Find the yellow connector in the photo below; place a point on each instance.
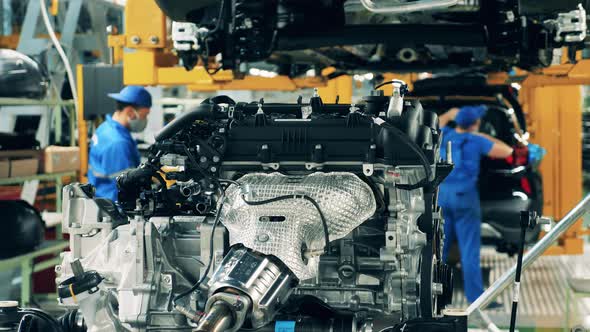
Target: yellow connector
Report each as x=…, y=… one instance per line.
x=54, y=9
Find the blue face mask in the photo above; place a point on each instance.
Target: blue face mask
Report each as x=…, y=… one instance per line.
x=138, y=124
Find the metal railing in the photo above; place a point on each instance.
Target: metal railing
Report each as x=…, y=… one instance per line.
x=533, y=254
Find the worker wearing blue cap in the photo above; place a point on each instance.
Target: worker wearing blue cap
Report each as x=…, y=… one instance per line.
x=113, y=150
x=458, y=195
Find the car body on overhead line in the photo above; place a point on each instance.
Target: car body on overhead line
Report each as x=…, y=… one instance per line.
x=364, y=35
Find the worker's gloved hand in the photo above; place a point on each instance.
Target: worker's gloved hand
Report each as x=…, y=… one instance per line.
x=536, y=154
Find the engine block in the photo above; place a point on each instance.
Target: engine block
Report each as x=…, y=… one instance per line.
x=320, y=215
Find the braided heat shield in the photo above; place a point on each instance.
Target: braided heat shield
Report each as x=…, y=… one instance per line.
x=288, y=228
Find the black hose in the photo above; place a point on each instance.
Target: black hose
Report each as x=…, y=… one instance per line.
x=220, y=99
x=404, y=86
x=69, y=322
x=219, y=19
x=305, y=197
x=415, y=148
x=51, y=321
x=24, y=325
x=200, y=112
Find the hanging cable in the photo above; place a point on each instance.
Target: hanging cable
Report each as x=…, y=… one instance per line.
x=219, y=19
x=414, y=147
x=61, y=52
x=209, y=263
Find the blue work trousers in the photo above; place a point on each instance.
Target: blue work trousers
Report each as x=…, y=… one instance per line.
x=464, y=226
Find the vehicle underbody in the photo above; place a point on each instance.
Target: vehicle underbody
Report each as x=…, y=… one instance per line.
x=293, y=36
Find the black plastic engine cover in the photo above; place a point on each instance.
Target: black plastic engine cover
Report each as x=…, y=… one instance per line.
x=322, y=141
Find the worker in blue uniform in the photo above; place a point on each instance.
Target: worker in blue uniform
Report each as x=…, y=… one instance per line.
x=459, y=196
x=113, y=150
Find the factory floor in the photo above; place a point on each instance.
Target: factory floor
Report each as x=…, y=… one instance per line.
x=548, y=299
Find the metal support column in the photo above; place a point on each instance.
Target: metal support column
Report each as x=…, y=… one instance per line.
x=26, y=272
x=82, y=127
x=57, y=122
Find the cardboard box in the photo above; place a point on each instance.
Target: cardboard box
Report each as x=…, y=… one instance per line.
x=60, y=159
x=23, y=167
x=21, y=162
x=20, y=154
x=4, y=168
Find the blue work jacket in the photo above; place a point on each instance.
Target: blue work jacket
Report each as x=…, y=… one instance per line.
x=459, y=189
x=112, y=152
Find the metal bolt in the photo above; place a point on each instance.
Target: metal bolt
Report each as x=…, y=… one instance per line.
x=213, y=169
x=216, y=159
x=167, y=279
x=154, y=40
x=58, y=268
x=203, y=159
x=262, y=237
x=510, y=16
x=135, y=40
x=437, y=288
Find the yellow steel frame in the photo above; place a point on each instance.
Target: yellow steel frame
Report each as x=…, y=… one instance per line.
x=82, y=127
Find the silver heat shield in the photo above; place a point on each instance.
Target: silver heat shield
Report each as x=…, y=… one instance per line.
x=291, y=229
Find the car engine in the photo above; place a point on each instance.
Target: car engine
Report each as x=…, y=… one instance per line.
x=269, y=217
